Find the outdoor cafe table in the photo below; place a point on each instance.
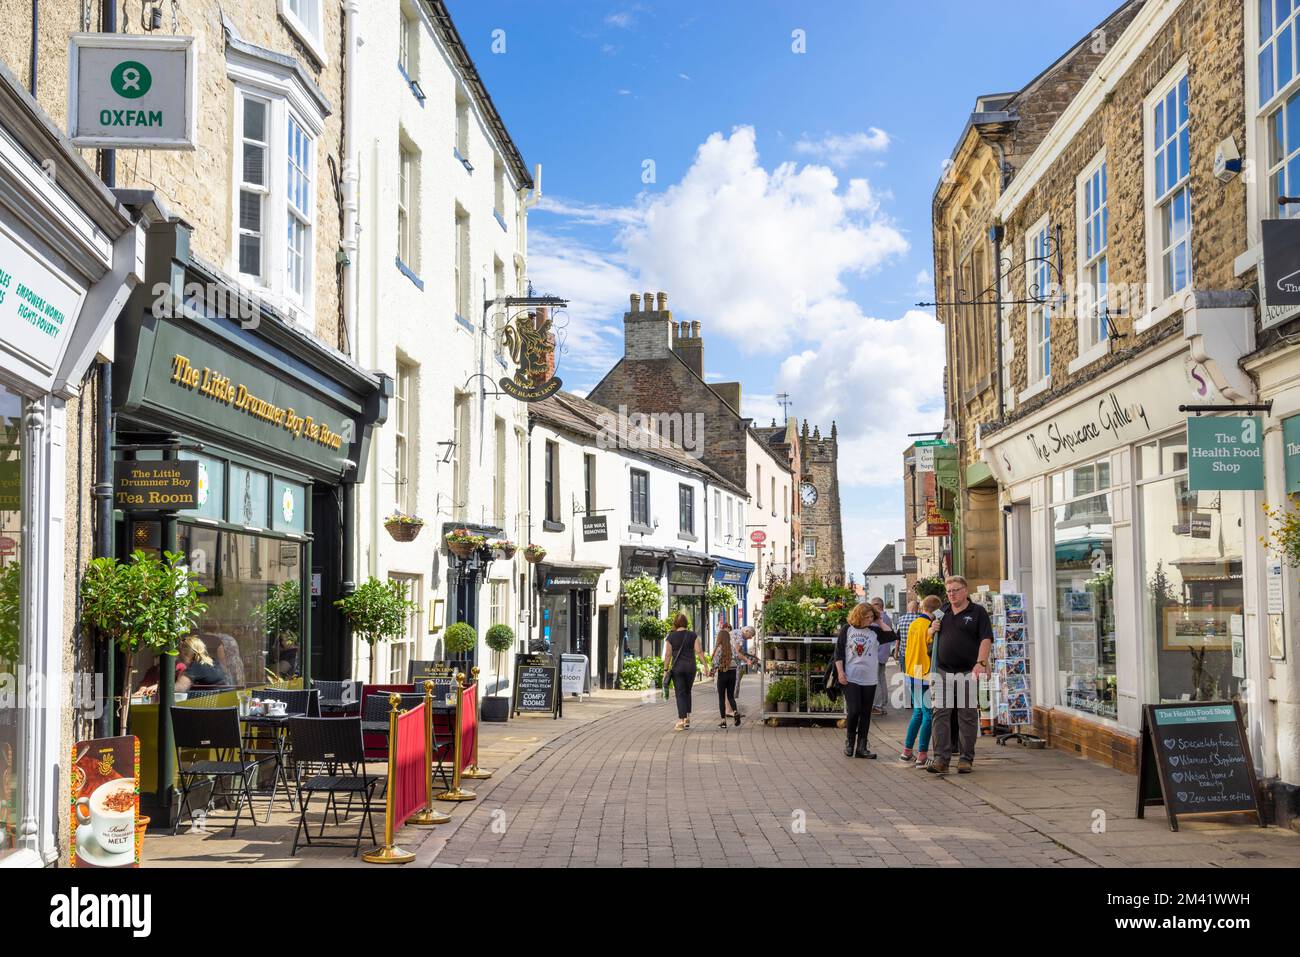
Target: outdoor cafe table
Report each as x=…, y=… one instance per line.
x=278, y=724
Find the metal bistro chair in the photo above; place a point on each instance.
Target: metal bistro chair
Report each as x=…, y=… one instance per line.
x=297, y=704
x=196, y=731
x=338, y=696
x=332, y=744
x=304, y=703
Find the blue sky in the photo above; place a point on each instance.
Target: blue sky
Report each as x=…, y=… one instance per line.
x=789, y=207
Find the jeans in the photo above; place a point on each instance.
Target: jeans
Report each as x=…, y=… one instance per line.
x=683, y=680
x=727, y=681
x=955, y=690
x=922, y=716
x=857, y=706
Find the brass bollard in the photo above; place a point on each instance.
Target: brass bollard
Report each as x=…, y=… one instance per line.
x=474, y=772
x=428, y=817
x=457, y=793
x=389, y=852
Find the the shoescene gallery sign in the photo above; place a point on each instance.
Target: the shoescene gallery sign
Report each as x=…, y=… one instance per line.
x=1123, y=413
x=136, y=92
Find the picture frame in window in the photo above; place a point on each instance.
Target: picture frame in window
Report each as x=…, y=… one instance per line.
x=1198, y=629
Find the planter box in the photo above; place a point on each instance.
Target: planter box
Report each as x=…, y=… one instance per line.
x=495, y=709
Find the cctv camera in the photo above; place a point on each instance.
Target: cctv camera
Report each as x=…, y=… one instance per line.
x=1006, y=509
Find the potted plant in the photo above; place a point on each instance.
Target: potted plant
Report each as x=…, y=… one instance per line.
x=460, y=639
x=377, y=611
x=534, y=553
x=463, y=542
x=403, y=528
x=500, y=639
x=501, y=548
x=145, y=603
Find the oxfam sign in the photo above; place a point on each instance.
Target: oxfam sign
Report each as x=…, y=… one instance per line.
x=136, y=92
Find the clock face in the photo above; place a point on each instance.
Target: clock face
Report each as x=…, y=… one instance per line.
x=808, y=493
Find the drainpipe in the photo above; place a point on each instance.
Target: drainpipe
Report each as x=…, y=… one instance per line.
x=348, y=241
x=35, y=51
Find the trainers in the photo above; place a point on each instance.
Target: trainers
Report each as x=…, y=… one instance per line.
x=921, y=759
x=965, y=766
x=936, y=767
x=907, y=756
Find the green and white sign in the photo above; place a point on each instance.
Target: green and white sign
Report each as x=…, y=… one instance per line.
x=1291, y=452
x=135, y=92
x=1225, y=454
x=39, y=304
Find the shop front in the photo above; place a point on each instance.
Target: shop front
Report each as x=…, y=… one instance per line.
x=567, y=609
x=1137, y=582
x=633, y=562
x=689, y=574
x=275, y=423
x=734, y=575
x=69, y=255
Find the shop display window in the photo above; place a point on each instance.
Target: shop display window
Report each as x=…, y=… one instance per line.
x=1191, y=587
x=1083, y=545
x=11, y=523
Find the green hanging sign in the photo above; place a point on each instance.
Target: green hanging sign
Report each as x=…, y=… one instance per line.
x=1225, y=454
x=1291, y=452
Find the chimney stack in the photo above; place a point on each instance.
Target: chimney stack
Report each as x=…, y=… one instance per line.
x=690, y=347
x=648, y=333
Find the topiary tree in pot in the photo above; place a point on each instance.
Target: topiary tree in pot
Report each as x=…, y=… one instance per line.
x=460, y=639
x=500, y=639
x=376, y=612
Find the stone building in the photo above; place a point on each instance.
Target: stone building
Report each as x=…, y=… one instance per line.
x=821, y=529
x=1131, y=290
x=1002, y=131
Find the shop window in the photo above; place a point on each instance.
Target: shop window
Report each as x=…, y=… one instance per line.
x=1084, y=549
x=249, y=491
x=212, y=486
x=11, y=656
x=1192, y=587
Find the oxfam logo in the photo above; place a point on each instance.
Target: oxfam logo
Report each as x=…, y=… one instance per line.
x=131, y=79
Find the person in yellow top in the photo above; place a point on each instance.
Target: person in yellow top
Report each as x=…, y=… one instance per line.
x=916, y=667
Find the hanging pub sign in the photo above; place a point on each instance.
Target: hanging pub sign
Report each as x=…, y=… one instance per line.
x=530, y=340
x=1225, y=454
x=936, y=526
x=131, y=91
x=155, y=486
x=1279, y=272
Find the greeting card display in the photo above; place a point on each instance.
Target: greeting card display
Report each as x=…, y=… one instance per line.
x=1011, y=701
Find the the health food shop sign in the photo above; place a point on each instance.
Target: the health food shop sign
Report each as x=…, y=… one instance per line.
x=135, y=92
x=1225, y=454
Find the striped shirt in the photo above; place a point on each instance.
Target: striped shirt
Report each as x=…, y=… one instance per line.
x=901, y=624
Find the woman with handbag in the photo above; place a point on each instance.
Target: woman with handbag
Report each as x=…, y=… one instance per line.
x=727, y=656
x=680, y=650
x=857, y=666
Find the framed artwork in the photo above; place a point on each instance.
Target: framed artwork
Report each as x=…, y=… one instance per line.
x=1198, y=629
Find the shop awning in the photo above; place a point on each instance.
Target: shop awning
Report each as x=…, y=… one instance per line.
x=732, y=572
x=562, y=576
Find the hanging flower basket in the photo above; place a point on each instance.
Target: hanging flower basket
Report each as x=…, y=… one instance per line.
x=501, y=548
x=403, y=528
x=463, y=542
x=534, y=553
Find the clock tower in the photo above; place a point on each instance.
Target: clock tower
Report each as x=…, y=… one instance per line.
x=822, y=547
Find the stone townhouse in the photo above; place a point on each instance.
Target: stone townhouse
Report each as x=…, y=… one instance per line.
x=444, y=196
x=1131, y=293
x=232, y=353
x=1002, y=131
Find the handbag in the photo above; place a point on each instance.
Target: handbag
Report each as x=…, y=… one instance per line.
x=831, y=681
x=668, y=674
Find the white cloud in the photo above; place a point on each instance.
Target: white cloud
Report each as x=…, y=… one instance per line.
x=763, y=408
x=878, y=380
x=840, y=149
x=743, y=248
x=589, y=214
x=623, y=19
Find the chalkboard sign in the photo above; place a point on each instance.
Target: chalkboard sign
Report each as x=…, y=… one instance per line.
x=536, y=686
x=1193, y=759
x=444, y=683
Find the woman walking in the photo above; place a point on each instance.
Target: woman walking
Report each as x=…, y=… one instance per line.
x=857, y=664
x=727, y=656
x=917, y=669
x=680, y=650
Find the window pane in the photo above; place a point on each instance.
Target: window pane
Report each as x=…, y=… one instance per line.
x=254, y=164
x=1284, y=57
x=1159, y=124
x=250, y=211
x=212, y=485
x=255, y=120
x=1182, y=101
x=250, y=255
x=248, y=496
x=1266, y=88
x=1265, y=19
x=288, y=507
x=1083, y=544
x=12, y=752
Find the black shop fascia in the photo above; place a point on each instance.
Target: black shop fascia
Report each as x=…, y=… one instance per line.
x=279, y=424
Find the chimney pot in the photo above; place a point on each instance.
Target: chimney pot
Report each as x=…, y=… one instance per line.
x=649, y=302
x=636, y=303
x=695, y=329
x=662, y=299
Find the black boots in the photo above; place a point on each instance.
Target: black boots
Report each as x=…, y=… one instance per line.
x=848, y=748
x=862, y=751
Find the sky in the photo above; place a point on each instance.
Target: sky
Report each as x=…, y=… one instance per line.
x=770, y=166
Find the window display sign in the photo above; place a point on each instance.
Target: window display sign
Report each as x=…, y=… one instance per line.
x=105, y=803
x=136, y=92
x=1225, y=454
x=1291, y=452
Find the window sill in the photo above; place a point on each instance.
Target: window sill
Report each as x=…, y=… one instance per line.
x=464, y=322
x=1248, y=260
x=549, y=526
x=469, y=168
x=1172, y=305
x=687, y=537
x=1085, y=359
x=415, y=88
x=636, y=529
x=406, y=271
x=1042, y=385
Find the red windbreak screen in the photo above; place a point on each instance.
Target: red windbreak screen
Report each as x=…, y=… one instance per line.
x=410, y=786
x=468, y=725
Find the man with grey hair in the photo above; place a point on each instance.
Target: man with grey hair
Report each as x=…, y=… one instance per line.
x=965, y=638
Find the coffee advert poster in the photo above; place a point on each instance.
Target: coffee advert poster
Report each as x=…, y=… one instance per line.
x=105, y=781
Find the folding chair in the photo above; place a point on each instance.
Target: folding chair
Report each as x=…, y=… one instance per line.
x=197, y=731
x=332, y=744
